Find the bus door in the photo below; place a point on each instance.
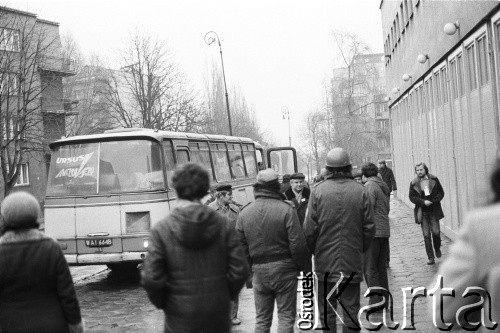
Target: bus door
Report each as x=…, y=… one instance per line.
x=283, y=160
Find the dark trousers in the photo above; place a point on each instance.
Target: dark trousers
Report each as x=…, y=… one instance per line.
x=375, y=270
x=285, y=295
x=431, y=232
x=349, y=298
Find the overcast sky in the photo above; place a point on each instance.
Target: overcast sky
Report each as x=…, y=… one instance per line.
x=280, y=53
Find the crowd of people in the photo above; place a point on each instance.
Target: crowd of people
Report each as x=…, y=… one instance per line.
x=201, y=255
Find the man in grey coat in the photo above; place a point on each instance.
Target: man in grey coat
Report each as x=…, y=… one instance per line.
x=376, y=256
x=276, y=249
x=339, y=228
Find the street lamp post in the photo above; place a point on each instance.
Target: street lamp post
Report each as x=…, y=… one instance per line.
x=211, y=37
x=286, y=115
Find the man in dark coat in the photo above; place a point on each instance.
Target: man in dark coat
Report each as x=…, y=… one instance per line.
x=339, y=229
x=426, y=193
x=224, y=205
x=275, y=247
x=36, y=288
x=298, y=194
x=195, y=264
x=387, y=176
x=376, y=256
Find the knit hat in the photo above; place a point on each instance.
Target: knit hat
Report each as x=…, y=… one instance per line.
x=20, y=210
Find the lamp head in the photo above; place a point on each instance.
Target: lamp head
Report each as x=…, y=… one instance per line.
x=387, y=99
x=451, y=28
x=422, y=58
x=395, y=90
x=406, y=77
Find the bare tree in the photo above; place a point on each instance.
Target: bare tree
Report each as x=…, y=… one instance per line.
x=26, y=49
x=150, y=91
x=243, y=118
x=354, y=88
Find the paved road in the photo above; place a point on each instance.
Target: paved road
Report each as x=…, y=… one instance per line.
x=112, y=303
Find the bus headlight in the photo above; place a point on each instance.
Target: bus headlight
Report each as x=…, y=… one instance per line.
x=146, y=243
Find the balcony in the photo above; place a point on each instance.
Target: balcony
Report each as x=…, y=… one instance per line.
x=57, y=66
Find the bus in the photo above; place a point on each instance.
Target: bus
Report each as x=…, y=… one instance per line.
x=105, y=191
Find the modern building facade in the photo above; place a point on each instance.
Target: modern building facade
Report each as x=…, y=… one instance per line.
x=358, y=93
x=442, y=63
x=32, y=106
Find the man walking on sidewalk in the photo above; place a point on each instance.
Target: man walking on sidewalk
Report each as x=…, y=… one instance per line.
x=388, y=177
x=426, y=193
x=339, y=229
x=275, y=246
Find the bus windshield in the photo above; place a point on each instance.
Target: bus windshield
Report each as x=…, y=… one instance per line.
x=105, y=167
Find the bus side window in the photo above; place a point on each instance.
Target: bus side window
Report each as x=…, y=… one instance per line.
x=168, y=151
x=237, y=164
x=182, y=157
x=221, y=164
x=201, y=155
x=251, y=164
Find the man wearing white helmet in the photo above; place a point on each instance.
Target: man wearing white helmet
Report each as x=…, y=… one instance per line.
x=339, y=228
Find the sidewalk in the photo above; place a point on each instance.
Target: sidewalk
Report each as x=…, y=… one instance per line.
x=408, y=269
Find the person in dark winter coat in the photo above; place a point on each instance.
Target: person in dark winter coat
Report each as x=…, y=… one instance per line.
x=298, y=194
x=275, y=246
x=387, y=176
x=195, y=264
x=376, y=256
x=223, y=204
x=339, y=228
x=426, y=193
x=285, y=185
x=36, y=288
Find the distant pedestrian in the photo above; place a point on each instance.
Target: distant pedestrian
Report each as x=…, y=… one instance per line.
x=36, y=288
x=195, y=264
x=224, y=205
x=298, y=194
x=275, y=246
x=339, y=228
x=285, y=184
x=387, y=176
x=474, y=261
x=426, y=193
x=376, y=256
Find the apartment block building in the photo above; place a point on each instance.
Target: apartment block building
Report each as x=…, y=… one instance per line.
x=442, y=63
x=358, y=93
x=32, y=107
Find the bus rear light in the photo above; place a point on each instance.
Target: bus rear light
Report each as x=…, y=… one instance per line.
x=137, y=222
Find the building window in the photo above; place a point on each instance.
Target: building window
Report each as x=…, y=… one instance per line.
x=23, y=177
x=444, y=81
x=382, y=124
x=471, y=65
x=453, y=78
x=482, y=57
x=460, y=72
x=437, y=87
x=9, y=39
x=8, y=83
x=382, y=143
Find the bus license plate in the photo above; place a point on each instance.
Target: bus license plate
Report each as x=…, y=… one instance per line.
x=99, y=242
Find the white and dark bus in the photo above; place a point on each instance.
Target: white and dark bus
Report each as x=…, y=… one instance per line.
x=105, y=191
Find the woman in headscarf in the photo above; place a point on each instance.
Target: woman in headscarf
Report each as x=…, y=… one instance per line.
x=36, y=288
